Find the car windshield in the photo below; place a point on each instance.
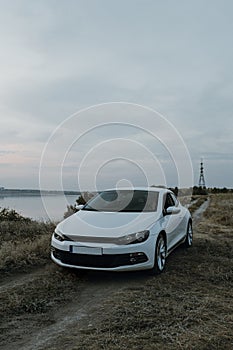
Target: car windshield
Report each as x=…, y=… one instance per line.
x=124, y=201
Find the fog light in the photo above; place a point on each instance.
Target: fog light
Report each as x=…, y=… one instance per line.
x=135, y=254
x=134, y=257
x=137, y=258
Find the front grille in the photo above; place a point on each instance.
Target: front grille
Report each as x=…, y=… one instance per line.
x=99, y=261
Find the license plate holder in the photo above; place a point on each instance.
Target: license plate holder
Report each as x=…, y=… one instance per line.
x=86, y=250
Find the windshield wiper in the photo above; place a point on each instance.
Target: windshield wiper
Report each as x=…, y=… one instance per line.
x=89, y=209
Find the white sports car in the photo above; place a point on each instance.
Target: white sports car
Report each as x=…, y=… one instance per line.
x=123, y=229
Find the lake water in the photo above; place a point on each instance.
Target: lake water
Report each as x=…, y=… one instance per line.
x=39, y=208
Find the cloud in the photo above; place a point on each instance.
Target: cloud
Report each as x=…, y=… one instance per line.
x=59, y=57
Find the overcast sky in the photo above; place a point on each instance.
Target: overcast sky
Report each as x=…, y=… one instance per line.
x=57, y=57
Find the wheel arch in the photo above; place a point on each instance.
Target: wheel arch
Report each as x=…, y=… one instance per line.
x=163, y=233
x=155, y=270
x=190, y=221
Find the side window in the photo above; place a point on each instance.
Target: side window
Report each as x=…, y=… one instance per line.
x=169, y=202
x=174, y=199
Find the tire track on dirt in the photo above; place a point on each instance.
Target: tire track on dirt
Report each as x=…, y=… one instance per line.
x=16, y=280
x=83, y=311
x=83, y=308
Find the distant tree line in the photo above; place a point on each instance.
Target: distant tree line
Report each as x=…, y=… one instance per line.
x=220, y=190
x=198, y=190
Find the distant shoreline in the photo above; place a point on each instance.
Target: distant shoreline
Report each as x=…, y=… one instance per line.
x=34, y=193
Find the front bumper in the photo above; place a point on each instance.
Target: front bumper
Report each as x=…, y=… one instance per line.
x=107, y=261
x=113, y=258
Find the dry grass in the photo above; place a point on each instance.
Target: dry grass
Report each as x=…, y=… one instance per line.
x=221, y=209
x=218, y=223
x=189, y=306
x=37, y=293
x=24, y=243
x=193, y=202
x=197, y=202
x=18, y=254
x=20, y=230
x=28, y=302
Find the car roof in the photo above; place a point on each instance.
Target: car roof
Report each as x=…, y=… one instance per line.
x=152, y=189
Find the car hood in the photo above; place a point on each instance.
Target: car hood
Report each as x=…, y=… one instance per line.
x=106, y=224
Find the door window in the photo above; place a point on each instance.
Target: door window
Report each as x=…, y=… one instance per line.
x=169, y=202
x=174, y=199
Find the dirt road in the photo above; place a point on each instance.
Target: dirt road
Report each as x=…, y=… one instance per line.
x=36, y=328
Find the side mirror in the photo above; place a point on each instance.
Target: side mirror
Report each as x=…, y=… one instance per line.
x=172, y=211
x=79, y=206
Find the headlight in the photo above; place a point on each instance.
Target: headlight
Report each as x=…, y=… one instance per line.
x=60, y=237
x=133, y=238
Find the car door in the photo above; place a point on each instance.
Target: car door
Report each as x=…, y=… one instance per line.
x=182, y=223
x=171, y=223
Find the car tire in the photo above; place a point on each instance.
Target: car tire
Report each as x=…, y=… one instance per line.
x=160, y=255
x=189, y=236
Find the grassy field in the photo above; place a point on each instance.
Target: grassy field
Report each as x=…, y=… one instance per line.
x=189, y=306
x=23, y=242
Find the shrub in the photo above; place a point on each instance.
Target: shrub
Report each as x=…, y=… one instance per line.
x=7, y=214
